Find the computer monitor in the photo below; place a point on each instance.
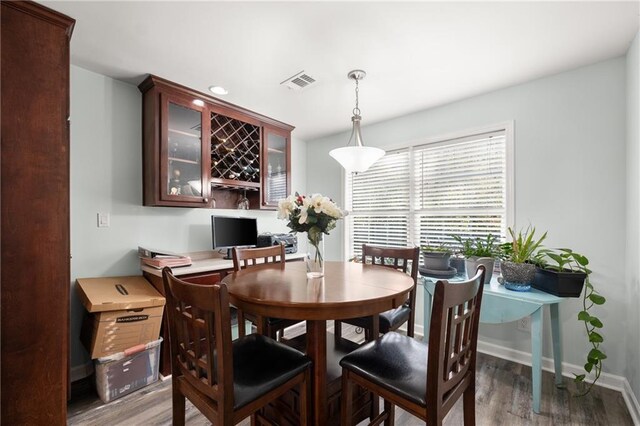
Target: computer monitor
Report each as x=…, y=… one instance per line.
x=229, y=232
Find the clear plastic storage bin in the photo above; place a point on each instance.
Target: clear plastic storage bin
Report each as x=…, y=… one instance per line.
x=120, y=374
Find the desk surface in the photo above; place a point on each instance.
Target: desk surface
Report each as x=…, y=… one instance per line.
x=207, y=261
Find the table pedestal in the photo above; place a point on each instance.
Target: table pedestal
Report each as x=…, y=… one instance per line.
x=285, y=410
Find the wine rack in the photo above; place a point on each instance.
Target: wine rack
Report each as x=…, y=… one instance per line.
x=235, y=153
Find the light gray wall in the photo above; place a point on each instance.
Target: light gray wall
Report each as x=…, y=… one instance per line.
x=632, y=372
x=106, y=176
x=569, y=180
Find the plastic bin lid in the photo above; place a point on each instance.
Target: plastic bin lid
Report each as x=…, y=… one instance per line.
x=118, y=293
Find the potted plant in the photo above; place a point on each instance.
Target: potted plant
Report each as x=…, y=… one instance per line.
x=518, y=267
x=436, y=257
x=564, y=272
x=558, y=273
x=479, y=251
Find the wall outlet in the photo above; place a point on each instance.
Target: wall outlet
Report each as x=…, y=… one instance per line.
x=524, y=324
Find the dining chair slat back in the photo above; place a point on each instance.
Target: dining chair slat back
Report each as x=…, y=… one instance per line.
x=226, y=380
x=405, y=259
x=450, y=359
x=244, y=258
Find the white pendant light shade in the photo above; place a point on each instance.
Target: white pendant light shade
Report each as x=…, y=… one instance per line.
x=356, y=159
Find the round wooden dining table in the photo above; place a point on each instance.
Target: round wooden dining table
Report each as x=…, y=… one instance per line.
x=347, y=290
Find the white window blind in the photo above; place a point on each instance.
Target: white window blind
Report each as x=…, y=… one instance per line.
x=460, y=188
x=423, y=194
x=378, y=203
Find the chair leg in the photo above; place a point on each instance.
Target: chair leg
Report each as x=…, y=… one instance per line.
x=375, y=406
x=178, y=401
x=346, y=399
x=241, y=324
x=337, y=330
x=411, y=325
x=391, y=411
x=469, y=404
x=272, y=332
x=304, y=398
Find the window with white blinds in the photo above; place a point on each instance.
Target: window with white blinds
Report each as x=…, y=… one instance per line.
x=378, y=202
x=425, y=193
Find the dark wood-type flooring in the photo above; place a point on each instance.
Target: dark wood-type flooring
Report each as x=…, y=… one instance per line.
x=503, y=397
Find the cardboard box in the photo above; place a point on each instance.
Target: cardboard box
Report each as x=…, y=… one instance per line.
x=122, y=373
x=126, y=311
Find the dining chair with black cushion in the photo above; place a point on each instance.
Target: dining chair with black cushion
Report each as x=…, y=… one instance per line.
x=226, y=380
x=425, y=380
x=248, y=258
x=405, y=259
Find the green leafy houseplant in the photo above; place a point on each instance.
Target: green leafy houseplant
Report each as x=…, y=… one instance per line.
x=478, y=251
x=478, y=247
x=517, y=267
x=568, y=261
x=440, y=248
x=523, y=246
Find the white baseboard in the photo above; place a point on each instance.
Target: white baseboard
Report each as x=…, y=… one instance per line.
x=632, y=402
x=606, y=380
x=79, y=372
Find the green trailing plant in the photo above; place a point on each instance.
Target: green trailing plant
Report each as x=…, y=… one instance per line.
x=566, y=260
x=522, y=247
x=479, y=247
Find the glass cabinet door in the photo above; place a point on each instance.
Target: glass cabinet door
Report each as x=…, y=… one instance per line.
x=184, y=175
x=276, y=163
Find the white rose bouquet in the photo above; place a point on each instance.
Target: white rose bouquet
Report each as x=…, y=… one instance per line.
x=316, y=215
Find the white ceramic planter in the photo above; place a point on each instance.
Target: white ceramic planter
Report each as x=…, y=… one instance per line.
x=471, y=265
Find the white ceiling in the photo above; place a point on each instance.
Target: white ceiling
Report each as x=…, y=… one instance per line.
x=417, y=54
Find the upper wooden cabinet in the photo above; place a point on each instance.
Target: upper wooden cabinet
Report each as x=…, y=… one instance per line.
x=199, y=151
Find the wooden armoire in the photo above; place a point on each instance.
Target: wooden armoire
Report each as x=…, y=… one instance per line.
x=34, y=209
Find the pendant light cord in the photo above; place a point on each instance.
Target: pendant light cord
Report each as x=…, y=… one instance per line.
x=356, y=110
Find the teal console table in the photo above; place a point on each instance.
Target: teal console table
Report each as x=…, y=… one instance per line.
x=500, y=305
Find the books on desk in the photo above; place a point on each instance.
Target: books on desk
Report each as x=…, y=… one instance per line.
x=159, y=258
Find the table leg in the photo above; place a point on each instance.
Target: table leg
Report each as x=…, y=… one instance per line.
x=317, y=351
x=557, y=345
x=536, y=357
x=426, y=321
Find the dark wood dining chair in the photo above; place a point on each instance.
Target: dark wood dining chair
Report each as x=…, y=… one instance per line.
x=248, y=258
x=226, y=380
x=424, y=380
x=405, y=259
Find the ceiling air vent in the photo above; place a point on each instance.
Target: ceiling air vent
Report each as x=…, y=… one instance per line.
x=299, y=81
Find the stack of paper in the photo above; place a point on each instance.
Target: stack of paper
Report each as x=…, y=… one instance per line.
x=160, y=258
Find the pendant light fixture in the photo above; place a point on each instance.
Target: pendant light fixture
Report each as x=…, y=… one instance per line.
x=356, y=158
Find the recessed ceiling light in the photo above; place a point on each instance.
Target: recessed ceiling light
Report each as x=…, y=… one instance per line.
x=218, y=90
x=198, y=102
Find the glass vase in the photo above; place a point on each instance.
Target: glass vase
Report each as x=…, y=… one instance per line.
x=315, y=258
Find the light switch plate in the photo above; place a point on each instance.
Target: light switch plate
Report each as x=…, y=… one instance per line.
x=103, y=220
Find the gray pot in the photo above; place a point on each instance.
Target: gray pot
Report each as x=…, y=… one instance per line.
x=458, y=263
x=471, y=265
x=436, y=260
x=520, y=273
